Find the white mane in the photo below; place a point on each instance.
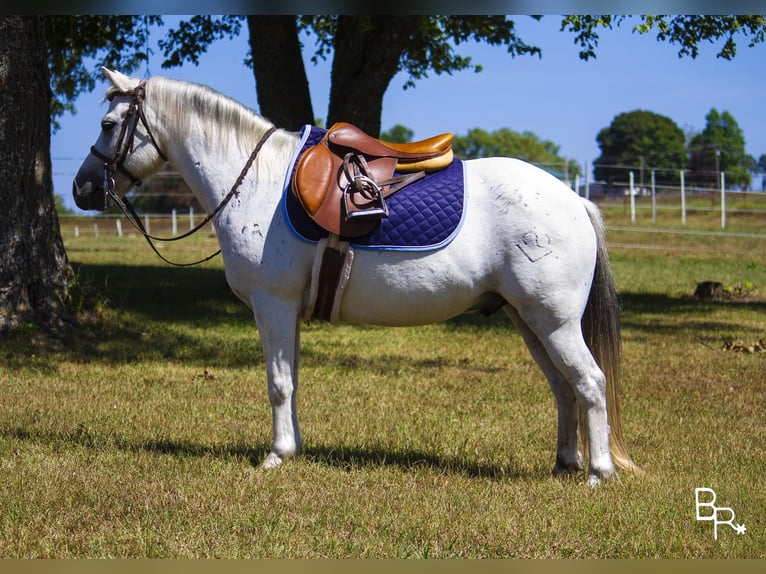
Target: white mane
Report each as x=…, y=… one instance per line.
x=181, y=102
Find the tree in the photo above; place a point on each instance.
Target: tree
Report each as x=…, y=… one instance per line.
x=637, y=139
x=367, y=52
x=43, y=56
x=506, y=142
x=719, y=147
x=281, y=84
x=398, y=134
x=685, y=30
x=34, y=270
x=119, y=42
x=363, y=65
x=761, y=167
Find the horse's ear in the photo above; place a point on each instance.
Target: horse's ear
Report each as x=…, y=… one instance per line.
x=120, y=81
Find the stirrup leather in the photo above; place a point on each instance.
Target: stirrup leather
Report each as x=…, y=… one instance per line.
x=363, y=197
x=362, y=188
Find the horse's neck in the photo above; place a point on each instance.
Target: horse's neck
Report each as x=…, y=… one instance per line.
x=211, y=166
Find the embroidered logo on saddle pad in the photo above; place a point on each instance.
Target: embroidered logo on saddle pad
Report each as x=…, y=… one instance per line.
x=424, y=215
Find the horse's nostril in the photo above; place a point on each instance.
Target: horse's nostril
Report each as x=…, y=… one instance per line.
x=83, y=196
x=83, y=191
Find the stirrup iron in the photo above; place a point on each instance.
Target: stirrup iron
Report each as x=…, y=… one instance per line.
x=356, y=171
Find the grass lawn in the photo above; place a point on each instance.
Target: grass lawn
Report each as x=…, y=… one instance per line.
x=140, y=434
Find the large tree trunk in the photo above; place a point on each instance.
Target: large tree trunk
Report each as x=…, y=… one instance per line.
x=280, y=76
x=34, y=270
x=367, y=54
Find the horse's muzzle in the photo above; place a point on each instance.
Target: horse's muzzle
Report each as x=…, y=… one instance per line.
x=88, y=196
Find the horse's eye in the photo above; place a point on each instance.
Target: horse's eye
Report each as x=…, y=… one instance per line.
x=108, y=125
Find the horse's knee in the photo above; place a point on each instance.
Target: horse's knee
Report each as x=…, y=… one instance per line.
x=280, y=392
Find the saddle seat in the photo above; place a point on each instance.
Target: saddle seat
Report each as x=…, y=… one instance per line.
x=431, y=154
x=342, y=181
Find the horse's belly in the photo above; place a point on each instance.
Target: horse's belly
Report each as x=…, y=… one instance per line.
x=393, y=288
x=401, y=306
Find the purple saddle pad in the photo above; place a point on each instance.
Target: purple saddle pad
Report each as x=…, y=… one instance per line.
x=423, y=215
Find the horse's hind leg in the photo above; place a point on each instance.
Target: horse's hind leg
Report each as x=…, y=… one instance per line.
x=568, y=456
x=563, y=341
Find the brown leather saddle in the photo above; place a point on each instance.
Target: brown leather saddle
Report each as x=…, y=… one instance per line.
x=342, y=181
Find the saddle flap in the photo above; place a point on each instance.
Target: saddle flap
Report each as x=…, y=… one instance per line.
x=319, y=183
x=314, y=175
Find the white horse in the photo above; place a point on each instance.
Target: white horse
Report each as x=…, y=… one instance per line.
x=527, y=242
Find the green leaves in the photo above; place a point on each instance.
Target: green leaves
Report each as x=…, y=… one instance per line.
x=639, y=137
x=508, y=143
x=192, y=37
x=79, y=45
x=686, y=31
x=720, y=147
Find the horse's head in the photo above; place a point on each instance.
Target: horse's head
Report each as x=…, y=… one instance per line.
x=125, y=151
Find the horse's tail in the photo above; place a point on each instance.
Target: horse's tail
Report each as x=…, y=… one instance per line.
x=601, y=328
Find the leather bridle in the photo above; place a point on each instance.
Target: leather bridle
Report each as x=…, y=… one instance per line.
x=134, y=115
x=112, y=165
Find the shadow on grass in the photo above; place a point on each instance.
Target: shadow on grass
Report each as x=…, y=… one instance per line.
x=681, y=314
x=145, y=303
x=350, y=458
x=336, y=456
x=201, y=294
x=194, y=295
x=89, y=438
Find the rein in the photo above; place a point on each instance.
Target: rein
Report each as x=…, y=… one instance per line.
x=124, y=147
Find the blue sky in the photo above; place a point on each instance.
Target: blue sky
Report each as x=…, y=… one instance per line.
x=558, y=96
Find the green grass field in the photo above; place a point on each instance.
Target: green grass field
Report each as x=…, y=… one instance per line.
x=140, y=434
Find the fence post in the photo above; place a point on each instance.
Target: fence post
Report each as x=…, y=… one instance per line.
x=683, y=198
x=174, y=221
x=95, y=229
x=118, y=223
x=654, y=200
x=632, y=199
x=191, y=217
x=146, y=223
x=77, y=231
x=723, y=200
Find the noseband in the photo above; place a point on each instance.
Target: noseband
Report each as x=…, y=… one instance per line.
x=114, y=164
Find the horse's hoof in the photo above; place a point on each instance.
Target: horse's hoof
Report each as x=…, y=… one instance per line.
x=561, y=470
x=595, y=480
x=272, y=461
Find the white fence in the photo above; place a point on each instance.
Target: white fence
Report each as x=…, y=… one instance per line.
x=719, y=195
x=173, y=224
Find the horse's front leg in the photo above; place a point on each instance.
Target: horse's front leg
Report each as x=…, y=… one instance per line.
x=279, y=329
